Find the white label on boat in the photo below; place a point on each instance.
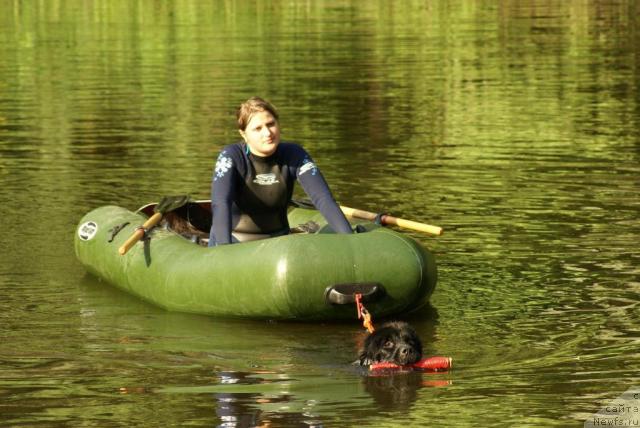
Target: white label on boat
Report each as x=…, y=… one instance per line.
x=87, y=230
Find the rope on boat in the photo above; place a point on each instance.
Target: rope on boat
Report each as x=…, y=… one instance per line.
x=364, y=314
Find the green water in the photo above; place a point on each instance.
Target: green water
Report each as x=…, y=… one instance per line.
x=514, y=125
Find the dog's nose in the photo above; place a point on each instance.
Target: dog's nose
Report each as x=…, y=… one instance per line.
x=404, y=350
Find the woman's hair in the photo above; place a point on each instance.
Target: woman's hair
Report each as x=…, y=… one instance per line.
x=252, y=106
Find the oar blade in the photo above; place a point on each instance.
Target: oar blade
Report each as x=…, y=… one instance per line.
x=170, y=203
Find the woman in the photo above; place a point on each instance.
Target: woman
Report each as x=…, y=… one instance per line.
x=253, y=181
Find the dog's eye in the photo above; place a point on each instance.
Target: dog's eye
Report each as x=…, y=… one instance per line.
x=388, y=344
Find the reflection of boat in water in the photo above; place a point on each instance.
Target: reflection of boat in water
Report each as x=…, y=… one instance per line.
x=297, y=276
x=242, y=371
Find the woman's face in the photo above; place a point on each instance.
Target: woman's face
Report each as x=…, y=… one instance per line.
x=262, y=134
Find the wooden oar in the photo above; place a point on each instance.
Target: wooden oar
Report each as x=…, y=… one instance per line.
x=168, y=203
x=390, y=220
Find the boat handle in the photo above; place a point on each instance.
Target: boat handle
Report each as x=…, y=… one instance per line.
x=343, y=294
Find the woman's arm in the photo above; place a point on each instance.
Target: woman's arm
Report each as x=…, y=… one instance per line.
x=222, y=191
x=317, y=189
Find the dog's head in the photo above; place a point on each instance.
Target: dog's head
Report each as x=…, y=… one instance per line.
x=394, y=342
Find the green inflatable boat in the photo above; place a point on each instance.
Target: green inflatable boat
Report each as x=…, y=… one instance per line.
x=310, y=274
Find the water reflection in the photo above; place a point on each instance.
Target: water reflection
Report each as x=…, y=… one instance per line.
x=395, y=392
x=515, y=126
x=250, y=410
x=263, y=373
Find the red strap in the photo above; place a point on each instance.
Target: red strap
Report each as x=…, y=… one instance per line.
x=364, y=314
x=358, y=297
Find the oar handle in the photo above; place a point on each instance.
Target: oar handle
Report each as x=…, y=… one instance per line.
x=387, y=219
x=410, y=224
x=139, y=233
x=355, y=213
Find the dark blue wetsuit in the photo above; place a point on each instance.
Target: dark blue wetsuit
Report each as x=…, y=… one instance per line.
x=250, y=194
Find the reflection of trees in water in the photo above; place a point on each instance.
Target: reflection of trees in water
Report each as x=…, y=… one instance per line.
x=163, y=89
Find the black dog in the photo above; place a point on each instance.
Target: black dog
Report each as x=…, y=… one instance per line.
x=394, y=342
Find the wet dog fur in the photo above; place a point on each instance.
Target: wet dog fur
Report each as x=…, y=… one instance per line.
x=394, y=342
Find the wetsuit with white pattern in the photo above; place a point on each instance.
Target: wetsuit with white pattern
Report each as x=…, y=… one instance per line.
x=250, y=194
